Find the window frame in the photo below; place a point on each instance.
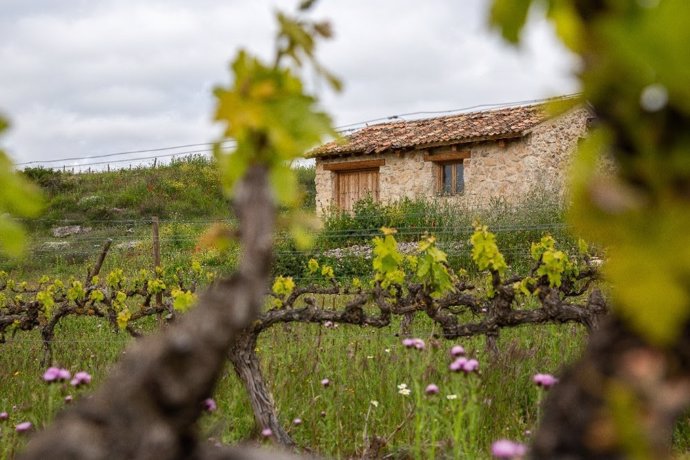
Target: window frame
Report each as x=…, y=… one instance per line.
x=440, y=176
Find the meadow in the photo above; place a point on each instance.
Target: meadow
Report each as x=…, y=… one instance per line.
x=377, y=392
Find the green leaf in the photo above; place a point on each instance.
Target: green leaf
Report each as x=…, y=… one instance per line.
x=509, y=16
x=12, y=238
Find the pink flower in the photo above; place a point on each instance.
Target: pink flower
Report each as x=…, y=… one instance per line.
x=81, y=378
x=4, y=416
x=465, y=365
x=56, y=374
x=209, y=405
x=431, y=389
x=325, y=382
x=414, y=343
x=51, y=374
x=297, y=421
x=545, y=380
x=23, y=427
x=68, y=399
x=471, y=365
x=64, y=374
x=457, y=351
x=266, y=433
x=457, y=365
x=503, y=448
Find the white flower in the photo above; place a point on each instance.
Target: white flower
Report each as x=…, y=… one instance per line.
x=370, y=357
x=387, y=350
x=402, y=386
x=374, y=403
x=403, y=390
x=451, y=396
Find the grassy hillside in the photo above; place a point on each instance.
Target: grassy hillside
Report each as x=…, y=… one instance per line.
x=187, y=188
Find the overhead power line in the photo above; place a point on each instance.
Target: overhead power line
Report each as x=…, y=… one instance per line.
x=131, y=152
x=340, y=129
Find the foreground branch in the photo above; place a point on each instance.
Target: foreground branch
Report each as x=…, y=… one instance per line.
x=149, y=405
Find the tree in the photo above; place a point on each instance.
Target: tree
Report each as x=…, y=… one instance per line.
x=623, y=397
x=149, y=405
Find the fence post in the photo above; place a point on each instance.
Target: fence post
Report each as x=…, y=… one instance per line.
x=156, y=257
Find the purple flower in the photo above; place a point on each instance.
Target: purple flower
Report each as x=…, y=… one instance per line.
x=23, y=427
x=545, y=380
x=431, y=389
x=209, y=405
x=470, y=366
x=457, y=365
x=503, y=448
x=51, y=374
x=68, y=399
x=63, y=374
x=81, y=378
x=297, y=421
x=4, y=416
x=457, y=351
x=266, y=433
x=325, y=382
x=414, y=343
x=465, y=365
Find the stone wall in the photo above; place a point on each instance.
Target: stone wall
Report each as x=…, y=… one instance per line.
x=507, y=169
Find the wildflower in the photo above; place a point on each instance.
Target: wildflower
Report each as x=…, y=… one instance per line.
x=297, y=421
x=456, y=351
x=4, y=416
x=431, y=389
x=451, y=397
x=503, y=448
x=374, y=403
x=457, y=365
x=63, y=375
x=470, y=366
x=266, y=433
x=414, y=343
x=545, y=380
x=323, y=413
x=68, y=399
x=325, y=383
x=328, y=324
x=209, y=405
x=81, y=378
x=51, y=374
x=387, y=350
x=23, y=427
x=403, y=390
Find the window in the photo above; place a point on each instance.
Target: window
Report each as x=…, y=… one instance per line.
x=451, y=178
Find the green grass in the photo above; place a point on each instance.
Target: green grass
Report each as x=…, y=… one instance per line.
x=363, y=365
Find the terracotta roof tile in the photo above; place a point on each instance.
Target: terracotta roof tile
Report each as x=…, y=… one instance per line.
x=452, y=129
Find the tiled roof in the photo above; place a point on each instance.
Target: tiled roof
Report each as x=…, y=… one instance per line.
x=462, y=128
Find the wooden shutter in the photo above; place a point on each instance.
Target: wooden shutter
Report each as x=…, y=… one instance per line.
x=352, y=186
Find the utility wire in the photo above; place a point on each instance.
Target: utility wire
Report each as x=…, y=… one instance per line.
x=340, y=129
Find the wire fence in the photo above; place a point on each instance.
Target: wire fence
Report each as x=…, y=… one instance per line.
x=348, y=250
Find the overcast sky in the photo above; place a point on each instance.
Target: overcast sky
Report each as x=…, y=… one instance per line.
x=80, y=78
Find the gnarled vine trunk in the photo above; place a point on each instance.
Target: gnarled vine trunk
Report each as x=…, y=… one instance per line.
x=248, y=368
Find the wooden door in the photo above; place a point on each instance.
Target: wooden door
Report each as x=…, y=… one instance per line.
x=352, y=186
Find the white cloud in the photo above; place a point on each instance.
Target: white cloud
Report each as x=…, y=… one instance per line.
x=87, y=77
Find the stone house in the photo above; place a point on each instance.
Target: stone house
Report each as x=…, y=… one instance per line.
x=468, y=158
